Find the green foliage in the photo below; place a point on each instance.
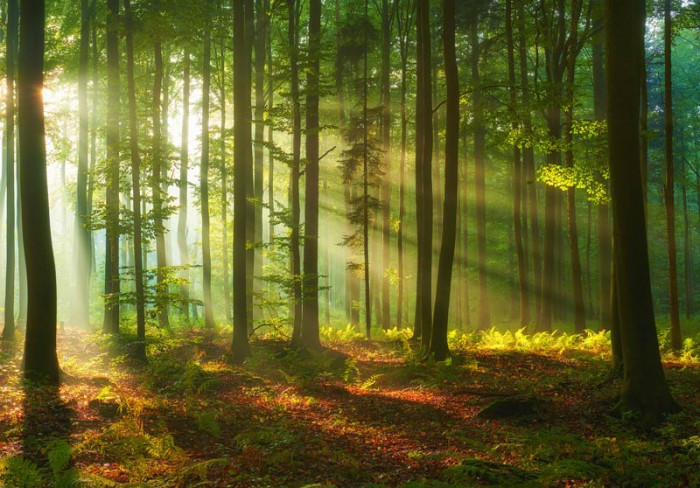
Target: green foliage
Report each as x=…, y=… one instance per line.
x=557, y=342
x=19, y=472
x=207, y=423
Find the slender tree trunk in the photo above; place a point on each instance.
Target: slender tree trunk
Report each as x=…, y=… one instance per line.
x=259, y=48
x=40, y=359
x=112, y=282
x=8, y=332
x=576, y=274
x=270, y=136
x=524, y=307
x=140, y=352
x=309, y=328
x=669, y=192
x=687, y=251
x=156, y=188
x=405, y=22
x=603, y=208
x=484, y=317
x=204, y=181
x=365, y=182
x=242, y=169
x=387, y=17
x=438, y=340
x=224, y=191
x=644, y=387
x=529, y=169
x=295, y=170
x=184, y=161
x=93, y=139
x=82, y=235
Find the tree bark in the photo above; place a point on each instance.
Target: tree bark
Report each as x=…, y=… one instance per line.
x=8, y=332
x=669, y=190
x=82, y=234
x=644, y=387
x=112, y=282
x=156, y=188
x=438, y=340
x=204, y=180
x=140, y=351
x=484, y=314
x=40, y=359
x=183, y=190
x=242, y=169
x=309, y=329
x=424, y=182
x=524, y=305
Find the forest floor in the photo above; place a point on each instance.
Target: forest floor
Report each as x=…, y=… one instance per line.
x=359, y=414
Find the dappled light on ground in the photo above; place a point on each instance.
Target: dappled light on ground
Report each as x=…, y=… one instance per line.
x=356, y=414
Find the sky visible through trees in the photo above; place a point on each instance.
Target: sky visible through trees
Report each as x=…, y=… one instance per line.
x=474, y=219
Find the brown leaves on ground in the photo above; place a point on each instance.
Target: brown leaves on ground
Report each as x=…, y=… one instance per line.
x=362, y=415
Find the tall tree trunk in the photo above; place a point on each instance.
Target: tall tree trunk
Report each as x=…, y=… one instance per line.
x=603, y=208
x=365, y=181
x=140, y=352
x=387, y=16
x=156, y=188
x=82, y=235
x=224, y=191
x=644, y=387
x=405, y=22
x=270, y=135
x=438, y=340
x=242, y=169
x=292, y=39
x=424, y=183
x=8, y=332
x=688, y=280
x=259, y=46
x=184, y=161
x=40, y=359
x=309, y=329
x=93, y=136
x=669, y=192
x=524, y=307
x=250, y=185
x=111, y=317
x=529, y=168
x=576, y=274
x=484, y=317
x=204, y=180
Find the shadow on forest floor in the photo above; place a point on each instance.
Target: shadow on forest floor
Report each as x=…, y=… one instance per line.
x=358, y=414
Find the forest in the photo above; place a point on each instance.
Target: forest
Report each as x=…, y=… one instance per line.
x=350, y=243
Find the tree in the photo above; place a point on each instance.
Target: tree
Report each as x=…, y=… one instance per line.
x=204, y=179
x=644, y=387
x=8, y=332
x=156, y=186
x=309, y=329
x=112, y=283
x=438, y=340
x=424, y=183
x=140, y=352
x=292, y=39
x=484, y=317
x=82, y=234
x=243, y=162
x=669, y=191
x=184, y=161
x=387, y=22
x=40, y=359
x=603, y=208
x=518, y=177
x=405, y=21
